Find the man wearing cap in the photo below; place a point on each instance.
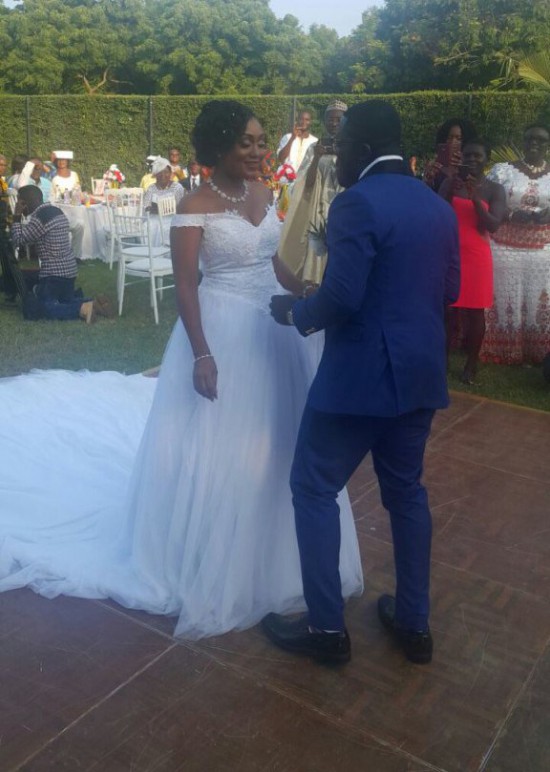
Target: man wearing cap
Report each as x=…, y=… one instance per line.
x=302, y=246
x=393, y=265
x=163, y=187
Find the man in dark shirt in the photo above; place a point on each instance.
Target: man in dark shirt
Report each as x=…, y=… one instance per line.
x=48, y=229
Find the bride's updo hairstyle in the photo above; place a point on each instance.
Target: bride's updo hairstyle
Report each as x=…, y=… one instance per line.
x=218, y=127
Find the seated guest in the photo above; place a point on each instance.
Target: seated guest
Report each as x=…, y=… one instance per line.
x=147, y=180
x=4, y=204
x=193, y=179
x=518, y=325
x=47, y=227
x=174, y=156
x=65, y=180
x=33, y=174
x=163, y=186
x=17, y=164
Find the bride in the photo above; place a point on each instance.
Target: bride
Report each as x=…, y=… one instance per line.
x=199, y=522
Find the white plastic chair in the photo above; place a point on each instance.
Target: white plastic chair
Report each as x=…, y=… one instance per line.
x=98, y=186
x=166, y=208
x=140, y=259
x=128, y=201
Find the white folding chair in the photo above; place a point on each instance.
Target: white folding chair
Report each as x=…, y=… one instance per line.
x=132, y=198
x=140, y=259
x=128, y=201
x=98, y=186
x=166, y=208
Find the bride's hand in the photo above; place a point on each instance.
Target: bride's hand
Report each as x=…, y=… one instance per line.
x=205, y=378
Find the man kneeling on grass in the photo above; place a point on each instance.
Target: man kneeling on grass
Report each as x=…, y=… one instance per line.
x=47, y=227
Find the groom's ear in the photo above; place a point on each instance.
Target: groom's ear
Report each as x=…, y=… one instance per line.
x=365, y=151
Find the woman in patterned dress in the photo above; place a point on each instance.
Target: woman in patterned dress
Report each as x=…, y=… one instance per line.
x=518, y=325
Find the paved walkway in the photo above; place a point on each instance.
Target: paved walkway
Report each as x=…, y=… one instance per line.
x=87, y=685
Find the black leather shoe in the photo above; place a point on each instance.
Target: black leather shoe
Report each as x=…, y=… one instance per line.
x=294, y=635
x=417, y=644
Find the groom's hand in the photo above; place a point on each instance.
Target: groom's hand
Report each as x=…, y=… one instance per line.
x=281, y=308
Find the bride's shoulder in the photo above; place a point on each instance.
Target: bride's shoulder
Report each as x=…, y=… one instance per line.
x=196, y=202
x=262, y=192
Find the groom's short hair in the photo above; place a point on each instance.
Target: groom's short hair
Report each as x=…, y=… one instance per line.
x=375, y=123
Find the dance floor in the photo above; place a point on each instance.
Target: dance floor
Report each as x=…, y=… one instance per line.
x=86, y=685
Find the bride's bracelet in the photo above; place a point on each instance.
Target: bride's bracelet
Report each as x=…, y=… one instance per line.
x=204, y=356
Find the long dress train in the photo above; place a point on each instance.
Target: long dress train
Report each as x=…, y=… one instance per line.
x=199, y=524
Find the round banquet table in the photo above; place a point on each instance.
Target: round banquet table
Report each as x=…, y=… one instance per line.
x=94, y=220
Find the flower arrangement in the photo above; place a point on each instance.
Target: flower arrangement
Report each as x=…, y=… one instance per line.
x=285, y=174
x=113, y=176
x=268, y=168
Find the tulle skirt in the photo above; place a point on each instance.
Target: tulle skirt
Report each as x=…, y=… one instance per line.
x=140, y=490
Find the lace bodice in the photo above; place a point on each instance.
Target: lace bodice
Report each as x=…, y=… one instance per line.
x=522, y=192
x=235, y=255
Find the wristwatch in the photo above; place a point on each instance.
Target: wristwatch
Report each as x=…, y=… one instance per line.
x=290, y=317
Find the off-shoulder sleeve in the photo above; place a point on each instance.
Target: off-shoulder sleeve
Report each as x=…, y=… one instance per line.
x=188, y=221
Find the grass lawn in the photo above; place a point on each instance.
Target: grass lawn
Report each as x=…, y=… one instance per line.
x=129, y=343
x=132, y=343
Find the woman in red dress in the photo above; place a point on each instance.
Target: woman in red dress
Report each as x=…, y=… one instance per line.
x=480, y=206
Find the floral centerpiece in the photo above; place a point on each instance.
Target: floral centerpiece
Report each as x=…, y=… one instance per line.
x=113, y=177
x=284, y=176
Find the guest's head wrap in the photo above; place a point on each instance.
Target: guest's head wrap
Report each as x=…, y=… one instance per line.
x=159, y=165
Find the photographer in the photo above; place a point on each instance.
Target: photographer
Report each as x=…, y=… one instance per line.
x=47, y=227
x=293, y=146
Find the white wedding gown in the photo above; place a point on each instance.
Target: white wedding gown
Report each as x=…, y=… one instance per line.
x=140, y=490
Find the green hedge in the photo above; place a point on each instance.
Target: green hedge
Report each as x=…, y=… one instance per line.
x=123, y=129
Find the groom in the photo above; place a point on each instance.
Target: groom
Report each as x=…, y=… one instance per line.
x=393, y=264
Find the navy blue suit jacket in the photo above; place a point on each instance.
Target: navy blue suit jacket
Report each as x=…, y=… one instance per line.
x=393, y=264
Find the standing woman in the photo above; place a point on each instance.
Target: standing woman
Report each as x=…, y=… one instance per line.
x=518, y=325
x=480, y=207
x=450, y=138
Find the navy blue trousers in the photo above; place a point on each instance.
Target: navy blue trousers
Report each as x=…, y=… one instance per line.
x=329, y=449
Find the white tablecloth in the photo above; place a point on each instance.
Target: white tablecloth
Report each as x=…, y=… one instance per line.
x=93, y=219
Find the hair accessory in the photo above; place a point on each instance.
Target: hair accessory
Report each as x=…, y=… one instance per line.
x=233, y=199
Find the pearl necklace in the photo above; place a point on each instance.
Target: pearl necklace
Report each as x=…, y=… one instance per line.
x=233, y=199
x=534, y=169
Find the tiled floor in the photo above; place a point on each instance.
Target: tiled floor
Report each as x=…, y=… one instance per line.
x=89, y=686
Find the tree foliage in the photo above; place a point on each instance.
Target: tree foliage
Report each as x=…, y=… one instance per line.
x=239, y=46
